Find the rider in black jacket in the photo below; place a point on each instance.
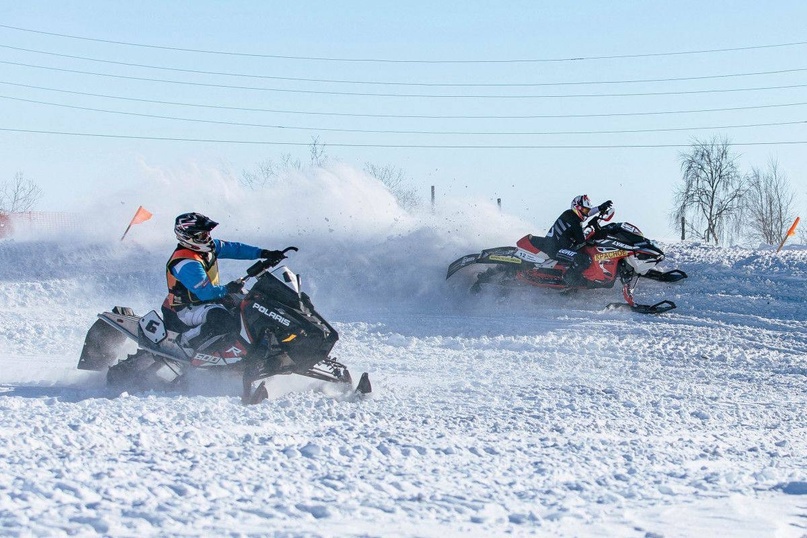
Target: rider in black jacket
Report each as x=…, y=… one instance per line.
x=565, y=238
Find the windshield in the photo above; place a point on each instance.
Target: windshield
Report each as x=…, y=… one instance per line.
x=623, y=232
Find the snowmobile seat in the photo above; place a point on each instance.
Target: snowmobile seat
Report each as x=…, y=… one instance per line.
x=172, y=321
x=541, y=243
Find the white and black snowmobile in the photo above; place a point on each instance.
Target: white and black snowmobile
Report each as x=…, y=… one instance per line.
x=280, y=333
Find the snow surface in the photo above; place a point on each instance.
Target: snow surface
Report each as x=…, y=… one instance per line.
x=528, y=413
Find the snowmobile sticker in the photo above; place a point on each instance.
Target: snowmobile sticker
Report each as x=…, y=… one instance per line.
x=203, y=357
x=530, y=257
x=153, y=327
x=271, y=314
x=610, y=255
x=632, y=229
x=623, y=246
x=505, y=259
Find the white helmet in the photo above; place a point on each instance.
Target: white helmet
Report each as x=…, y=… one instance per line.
x=581, y=205
x=193, y=231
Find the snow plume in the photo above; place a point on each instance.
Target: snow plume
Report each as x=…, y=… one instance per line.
x=337, y=201
x=357, y=245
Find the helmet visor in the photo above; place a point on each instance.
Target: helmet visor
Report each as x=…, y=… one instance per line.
x=200, y=236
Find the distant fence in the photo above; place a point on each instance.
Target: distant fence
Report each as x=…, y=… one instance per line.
x=37, y=221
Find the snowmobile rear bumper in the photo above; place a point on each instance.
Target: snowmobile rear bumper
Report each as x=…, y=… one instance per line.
x=101, y=346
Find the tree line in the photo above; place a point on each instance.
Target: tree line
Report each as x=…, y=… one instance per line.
x=18, y=195
x=717, y=202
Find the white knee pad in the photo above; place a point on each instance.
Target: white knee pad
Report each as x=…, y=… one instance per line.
x=195, y=315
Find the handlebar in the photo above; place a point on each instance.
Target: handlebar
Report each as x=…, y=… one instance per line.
x=262, y=265
x=259, y=267
x=594, y=223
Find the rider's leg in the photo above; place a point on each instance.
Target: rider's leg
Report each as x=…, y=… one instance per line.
x=580, y=261
x=206, y=320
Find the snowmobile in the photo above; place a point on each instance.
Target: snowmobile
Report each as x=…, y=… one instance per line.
x=618, y=250
x=280, y=333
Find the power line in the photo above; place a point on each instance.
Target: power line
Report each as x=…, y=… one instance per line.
x=418, y=84
x=404, y=116
x=406, y=95
x=397, y=146
x=409, y=61
x=409, y=132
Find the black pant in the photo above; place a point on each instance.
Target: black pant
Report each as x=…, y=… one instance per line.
x=578, y=261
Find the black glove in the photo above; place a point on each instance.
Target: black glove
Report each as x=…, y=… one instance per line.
x=605, y=206
x=274, y=257
x=236, y=286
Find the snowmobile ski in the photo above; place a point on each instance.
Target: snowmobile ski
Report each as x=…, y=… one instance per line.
x=364, y=386
x=256, y=397
x=669, y=276
x=658, y=308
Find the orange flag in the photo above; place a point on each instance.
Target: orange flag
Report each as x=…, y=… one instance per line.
x=141, y=215
x=791, y=232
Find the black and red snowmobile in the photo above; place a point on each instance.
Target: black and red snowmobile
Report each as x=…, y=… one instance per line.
x=619, y=251
x=280, y=333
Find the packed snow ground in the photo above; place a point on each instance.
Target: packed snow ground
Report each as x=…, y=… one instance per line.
x=520, y=414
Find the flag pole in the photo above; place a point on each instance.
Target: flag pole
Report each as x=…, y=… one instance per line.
x=126, y=232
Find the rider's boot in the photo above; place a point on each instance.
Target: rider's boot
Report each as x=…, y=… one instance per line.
x=573, y=277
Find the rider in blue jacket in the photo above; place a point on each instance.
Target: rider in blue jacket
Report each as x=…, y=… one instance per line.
x=194, y=302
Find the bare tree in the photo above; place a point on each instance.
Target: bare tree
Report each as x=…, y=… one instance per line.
x=264, y=174
x=268, y=171
x=711, y=192
x=317, y=152
x=18, y=195
x=395, y=180
x=769, y=204
x=287, y=162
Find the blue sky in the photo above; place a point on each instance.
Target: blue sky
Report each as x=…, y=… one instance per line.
x=615, y=45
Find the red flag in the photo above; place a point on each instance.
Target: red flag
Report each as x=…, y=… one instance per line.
x=141, y=215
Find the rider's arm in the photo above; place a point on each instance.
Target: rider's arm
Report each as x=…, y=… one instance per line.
x=577, y=236
x=236, y=251
x=193, y=276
